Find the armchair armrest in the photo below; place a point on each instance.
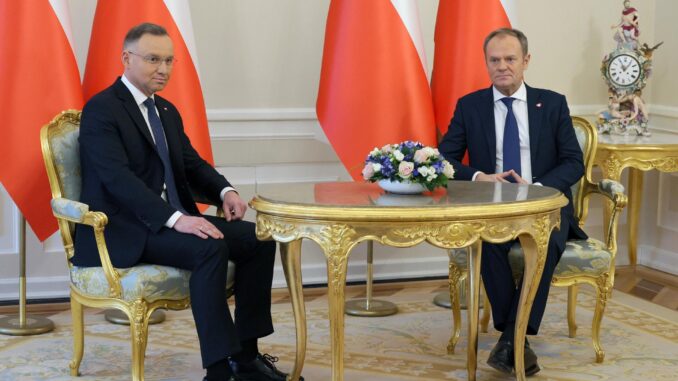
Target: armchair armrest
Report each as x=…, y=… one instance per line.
x=614, y=192
x=77, y=212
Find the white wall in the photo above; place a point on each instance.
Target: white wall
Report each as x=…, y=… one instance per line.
x=260, y=64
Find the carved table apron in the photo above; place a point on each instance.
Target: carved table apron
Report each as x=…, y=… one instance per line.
x=338, y=216
x=639, y=153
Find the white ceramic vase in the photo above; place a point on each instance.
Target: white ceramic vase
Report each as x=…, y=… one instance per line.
x=401, y=187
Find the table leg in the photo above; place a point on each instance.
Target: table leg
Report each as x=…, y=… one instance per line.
x=473, y=279
x=534, y=249
x=337, y=259
x=290, y=254
x=635, y=200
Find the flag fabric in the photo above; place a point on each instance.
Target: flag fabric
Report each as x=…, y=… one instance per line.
x=373, y=85
x=112, y=20
x=459, y=61
x=40, y=79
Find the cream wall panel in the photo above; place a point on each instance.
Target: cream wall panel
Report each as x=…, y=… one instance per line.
x=666, y=56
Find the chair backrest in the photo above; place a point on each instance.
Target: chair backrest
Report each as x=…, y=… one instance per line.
x=587, y=136
x=61, y=152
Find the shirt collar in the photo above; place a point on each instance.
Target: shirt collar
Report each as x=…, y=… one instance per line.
x=520, y=94
x=139, y=97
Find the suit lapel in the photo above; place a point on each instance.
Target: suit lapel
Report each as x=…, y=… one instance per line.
x=133, y=110
x=534, y=116
x=486, y=110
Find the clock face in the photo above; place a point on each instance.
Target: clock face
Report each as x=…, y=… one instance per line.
x=624, y=70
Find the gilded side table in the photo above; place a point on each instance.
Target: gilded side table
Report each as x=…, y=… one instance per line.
x=338, y=216
x=638, y=153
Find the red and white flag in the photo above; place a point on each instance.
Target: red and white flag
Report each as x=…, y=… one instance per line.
x=39, y=78
x=112, y=20
x=373, y=84
x=459, y=61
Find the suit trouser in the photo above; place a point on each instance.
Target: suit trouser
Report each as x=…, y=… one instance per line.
x=207, y=259
x=501, y=287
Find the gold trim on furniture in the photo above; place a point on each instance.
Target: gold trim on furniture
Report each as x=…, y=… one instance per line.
x=462, y=216
x=638, y=153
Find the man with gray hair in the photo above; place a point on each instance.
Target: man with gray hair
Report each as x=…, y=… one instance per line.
x=519, y=134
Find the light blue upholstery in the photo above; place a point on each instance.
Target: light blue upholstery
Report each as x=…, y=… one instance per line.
x=66, y=156
x=581, y=256
x=150, y=282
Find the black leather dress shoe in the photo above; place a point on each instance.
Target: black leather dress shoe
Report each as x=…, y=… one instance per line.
x=501, y=357
x=531, y=365
x=262, y=368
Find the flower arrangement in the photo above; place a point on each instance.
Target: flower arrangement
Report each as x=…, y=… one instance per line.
x=408, y=162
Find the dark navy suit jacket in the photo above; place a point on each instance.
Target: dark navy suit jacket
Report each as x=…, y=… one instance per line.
x=555, y=154
x=123, y=176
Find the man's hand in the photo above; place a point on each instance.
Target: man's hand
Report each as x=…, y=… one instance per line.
x=516, y=177
x=501, y=177
x=234, y=206
x=198, y=226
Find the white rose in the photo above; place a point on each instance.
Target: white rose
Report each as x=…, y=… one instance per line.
x=368, y=171
x=398, y=155
x=420, y=156
x=424, y=170
x=405, y=169
x=448, y=170
x=376, y=167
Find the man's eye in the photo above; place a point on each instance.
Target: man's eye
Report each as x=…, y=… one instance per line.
x=153, y=59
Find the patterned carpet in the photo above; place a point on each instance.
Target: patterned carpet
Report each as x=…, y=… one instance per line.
x=640, y=339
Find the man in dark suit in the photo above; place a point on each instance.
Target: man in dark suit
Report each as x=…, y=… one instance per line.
x=515, y=133
x=138, y=167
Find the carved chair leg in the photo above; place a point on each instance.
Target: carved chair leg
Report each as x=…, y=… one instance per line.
x=571, y=309
x=139, y=337
x=485, y=319
x=78, y=337
x=455, y=276
x=604, y=292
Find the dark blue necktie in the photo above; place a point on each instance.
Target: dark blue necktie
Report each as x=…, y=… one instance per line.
x=161, y=145
x=511, y=140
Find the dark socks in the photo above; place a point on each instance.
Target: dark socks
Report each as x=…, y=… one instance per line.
x=509, y=333
x=220, y=370
x=249, y=352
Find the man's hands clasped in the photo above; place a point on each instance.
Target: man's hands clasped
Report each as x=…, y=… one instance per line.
x=501, y=177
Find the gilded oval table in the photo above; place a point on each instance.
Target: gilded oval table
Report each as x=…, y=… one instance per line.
x=638, y=153
x=338, y=216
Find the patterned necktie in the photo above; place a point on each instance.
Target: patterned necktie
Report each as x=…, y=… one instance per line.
x=161, y=145
x=511, y=140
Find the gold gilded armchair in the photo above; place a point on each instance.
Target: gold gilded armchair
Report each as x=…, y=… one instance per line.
x=584, y=261
x=136, y=291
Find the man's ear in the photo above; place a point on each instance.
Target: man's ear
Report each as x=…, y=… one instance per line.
x=527, y=60
x=124, y=57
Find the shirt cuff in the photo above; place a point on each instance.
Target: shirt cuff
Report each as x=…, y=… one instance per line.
x=173, y=219
x=475, y=175
x=227, y=189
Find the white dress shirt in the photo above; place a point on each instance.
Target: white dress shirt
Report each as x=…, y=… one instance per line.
x=519, y=107
x=139, y=98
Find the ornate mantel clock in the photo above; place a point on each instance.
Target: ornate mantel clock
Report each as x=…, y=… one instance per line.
x=626, y=70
